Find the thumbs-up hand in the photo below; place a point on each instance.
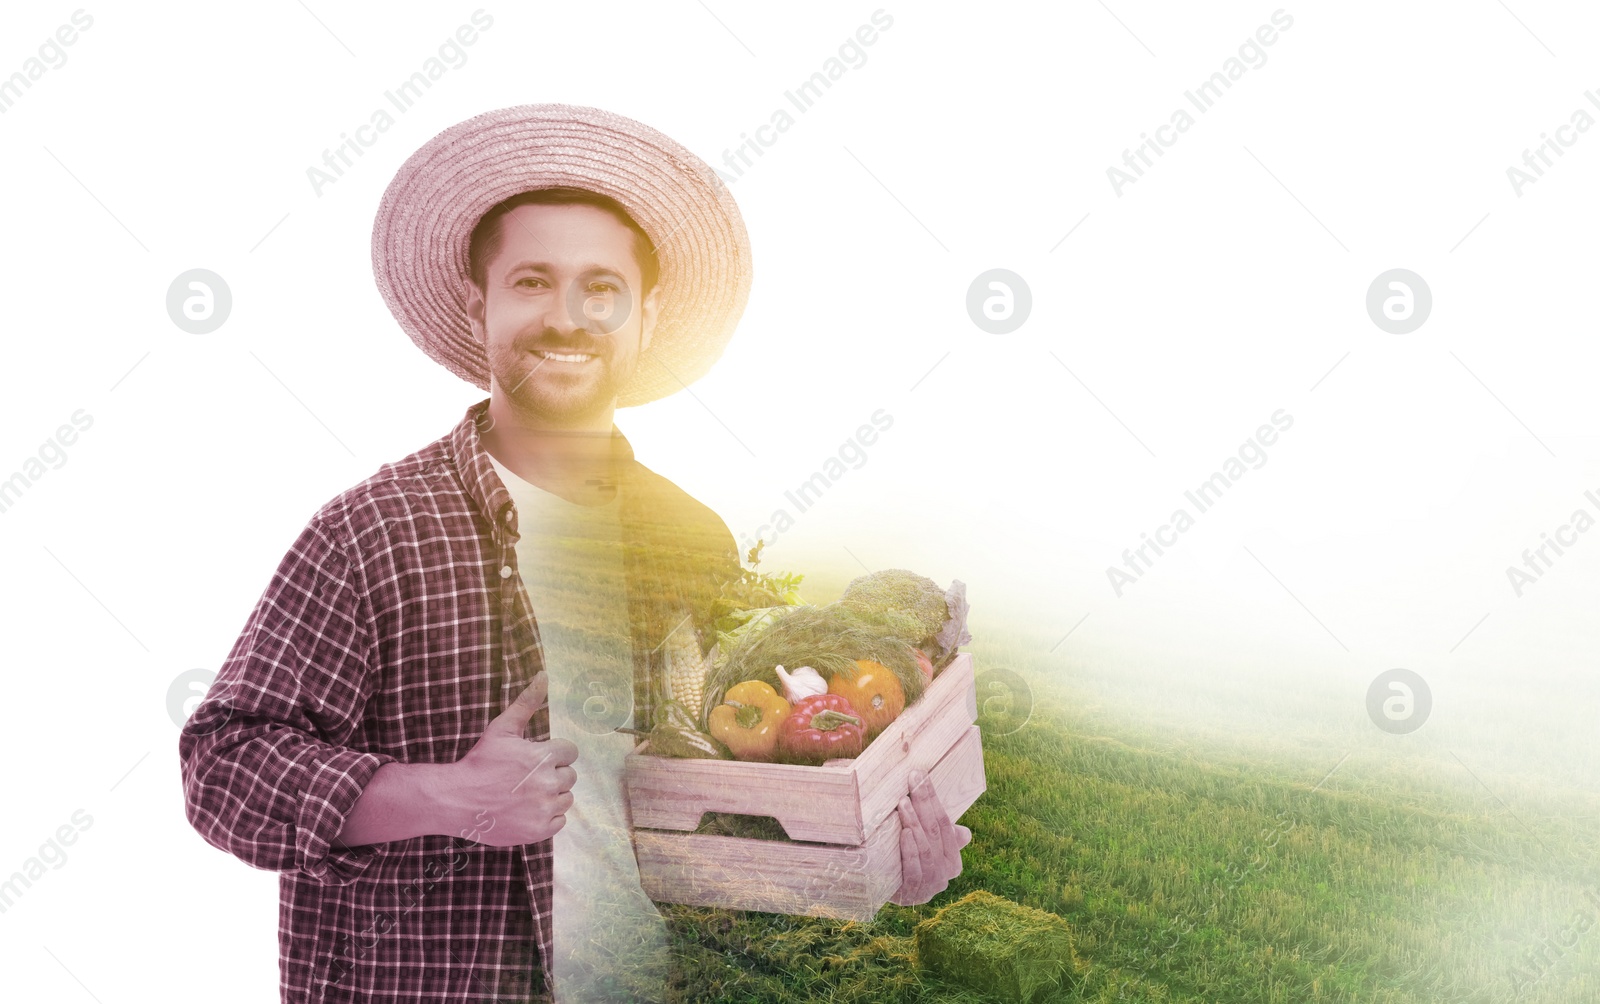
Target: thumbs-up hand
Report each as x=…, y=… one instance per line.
x=514, y=791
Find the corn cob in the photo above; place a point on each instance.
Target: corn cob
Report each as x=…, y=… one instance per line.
x=687, y=669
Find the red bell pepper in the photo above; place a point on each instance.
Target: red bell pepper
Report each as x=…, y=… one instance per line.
x=821, y=727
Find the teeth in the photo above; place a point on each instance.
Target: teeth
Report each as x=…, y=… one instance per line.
x=569, y=357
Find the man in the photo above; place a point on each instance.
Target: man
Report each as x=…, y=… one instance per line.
x=365, y=736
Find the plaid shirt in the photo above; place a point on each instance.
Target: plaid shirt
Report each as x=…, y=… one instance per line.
x=394, y=629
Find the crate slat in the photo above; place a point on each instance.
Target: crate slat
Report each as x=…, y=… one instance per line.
x=775, y=876
x=840, y=802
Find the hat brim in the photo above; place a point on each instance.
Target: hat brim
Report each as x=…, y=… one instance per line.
x=426, y=217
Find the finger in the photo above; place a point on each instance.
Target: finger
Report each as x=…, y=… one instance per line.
x=557, y=822
x=937, y=868
x=926, y=801
x=565, y=778
x=910, y=858
x=954, y=840
x=541, y=759
x=560, y=751
x=519, y=712
x=563, y=801
x=926, y=853
x=933, y=870
x=950, y=843
x=935, y=824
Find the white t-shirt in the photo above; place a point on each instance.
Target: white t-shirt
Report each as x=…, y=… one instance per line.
x=605, y=927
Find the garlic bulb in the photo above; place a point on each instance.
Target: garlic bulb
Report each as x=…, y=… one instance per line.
x=802, y=683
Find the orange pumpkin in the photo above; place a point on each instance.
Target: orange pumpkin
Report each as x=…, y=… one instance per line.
x=874, y=692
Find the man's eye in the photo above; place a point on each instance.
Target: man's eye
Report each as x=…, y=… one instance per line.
x=602, y=287
x=530, y=278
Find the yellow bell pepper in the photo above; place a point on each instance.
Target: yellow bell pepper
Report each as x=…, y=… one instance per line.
x=747, y=720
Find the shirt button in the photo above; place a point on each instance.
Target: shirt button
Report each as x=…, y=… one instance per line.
x=505, y=571
x=511, y=516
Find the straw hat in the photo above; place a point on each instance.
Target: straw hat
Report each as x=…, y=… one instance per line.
x=424, y=221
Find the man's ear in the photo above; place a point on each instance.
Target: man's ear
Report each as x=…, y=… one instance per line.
x=475, y=312
x=648, y=311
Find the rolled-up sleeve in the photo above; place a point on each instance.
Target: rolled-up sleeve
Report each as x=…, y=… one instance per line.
x=268, y=772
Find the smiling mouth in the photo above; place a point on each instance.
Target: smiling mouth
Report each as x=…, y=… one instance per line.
x=563, y=357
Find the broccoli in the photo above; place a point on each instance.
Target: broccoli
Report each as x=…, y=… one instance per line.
x=915, y=609
x=905, y=598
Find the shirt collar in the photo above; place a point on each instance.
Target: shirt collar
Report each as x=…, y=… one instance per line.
x=482, y=482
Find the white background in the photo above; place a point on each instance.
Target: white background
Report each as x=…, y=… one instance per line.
x=1225, y=284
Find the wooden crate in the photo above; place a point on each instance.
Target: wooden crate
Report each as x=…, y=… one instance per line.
x=843, y=858
x=839, y=802
x=804, y=879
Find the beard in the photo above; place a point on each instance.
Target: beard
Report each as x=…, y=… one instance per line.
x=559, y=391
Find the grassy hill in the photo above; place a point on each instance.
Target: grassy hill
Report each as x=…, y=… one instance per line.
x=1200, y=862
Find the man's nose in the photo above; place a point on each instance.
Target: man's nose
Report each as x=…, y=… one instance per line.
x=565, y=316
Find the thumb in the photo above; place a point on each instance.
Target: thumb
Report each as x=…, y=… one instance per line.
x=518, y=713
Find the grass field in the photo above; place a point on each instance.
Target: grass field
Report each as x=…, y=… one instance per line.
x=1201, y=861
